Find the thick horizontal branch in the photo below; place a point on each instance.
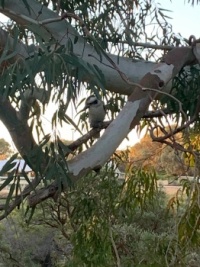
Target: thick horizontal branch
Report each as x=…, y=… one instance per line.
x=43, y=194
x=83, y=139
x=157, y=113
x=61, y=31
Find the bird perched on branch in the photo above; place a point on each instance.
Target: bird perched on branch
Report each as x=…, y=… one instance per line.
x=96, y=111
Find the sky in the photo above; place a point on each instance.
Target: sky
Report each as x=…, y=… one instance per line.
x=185, y=17
x=185, y=20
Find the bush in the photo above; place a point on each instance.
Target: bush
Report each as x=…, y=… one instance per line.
x=102, y=222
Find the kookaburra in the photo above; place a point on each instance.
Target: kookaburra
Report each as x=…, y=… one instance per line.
x=96, y=111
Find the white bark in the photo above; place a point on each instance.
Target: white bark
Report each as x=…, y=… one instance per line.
x=98, y=154
x=128, y=118
x=62, y=30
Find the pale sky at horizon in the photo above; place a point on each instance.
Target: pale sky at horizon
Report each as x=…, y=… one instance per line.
x=185, y=20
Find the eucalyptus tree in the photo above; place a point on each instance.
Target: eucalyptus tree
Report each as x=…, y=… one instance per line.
x=124, y=52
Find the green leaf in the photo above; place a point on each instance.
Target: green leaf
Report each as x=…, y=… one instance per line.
x=2, y=3
x=27, y=6
x=27, y=179
x=9, y=196
x=9, y=165
x=67, y=119
x=63, y=149
x=163, y=9
x=75, y=39
x=8, y=180
x=29, y=215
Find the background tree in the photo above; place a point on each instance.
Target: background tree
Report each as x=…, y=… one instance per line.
x=5, y=149
x=146, y=153
x=163, y=158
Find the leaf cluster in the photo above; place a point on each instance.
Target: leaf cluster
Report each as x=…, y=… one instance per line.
x=92, y=213
x=102, y=219
x=186, y=88
x=120, y=24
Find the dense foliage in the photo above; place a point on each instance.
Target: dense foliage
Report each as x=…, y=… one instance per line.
x=104, y=221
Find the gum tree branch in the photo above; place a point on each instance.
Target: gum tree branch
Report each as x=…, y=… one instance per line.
x=61, y=31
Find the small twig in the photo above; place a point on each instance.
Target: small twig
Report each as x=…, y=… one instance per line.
x=68, y=14
x=168, y=135
x=171, y=96
x=193, y=41
x=83, y=139
x=18, y=200
x=149, y=45
x=114, y=245
x=58, y=6
x=178, y=129
x=176, y=146
x=157, y=113
x=88, y=34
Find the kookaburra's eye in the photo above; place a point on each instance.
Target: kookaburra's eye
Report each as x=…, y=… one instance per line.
x=95, y=102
